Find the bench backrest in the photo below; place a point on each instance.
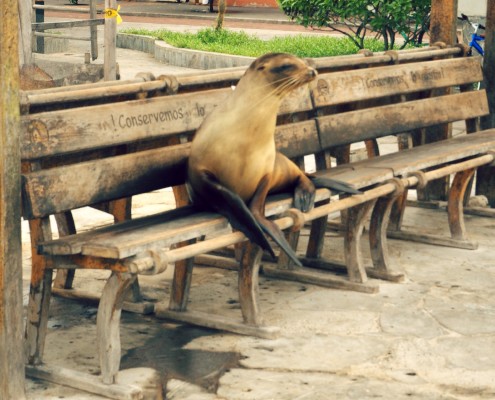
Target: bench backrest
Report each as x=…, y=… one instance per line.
x=87, y=155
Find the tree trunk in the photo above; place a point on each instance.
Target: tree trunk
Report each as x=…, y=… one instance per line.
x=222, y=6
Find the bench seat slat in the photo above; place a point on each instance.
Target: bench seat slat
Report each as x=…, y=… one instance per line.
x=346, y=128
x=157, y=231
x=417, y=158
x=351, y=86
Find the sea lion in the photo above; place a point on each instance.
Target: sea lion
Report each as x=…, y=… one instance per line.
x=234, y=165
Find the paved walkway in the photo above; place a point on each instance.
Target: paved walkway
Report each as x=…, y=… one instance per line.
x=431, y=337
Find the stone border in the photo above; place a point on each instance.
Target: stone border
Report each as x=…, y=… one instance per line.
x=180, y=57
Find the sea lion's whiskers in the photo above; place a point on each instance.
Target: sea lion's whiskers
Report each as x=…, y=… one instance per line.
x=277, y=91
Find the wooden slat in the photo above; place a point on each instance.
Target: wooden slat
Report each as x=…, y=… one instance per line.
x=157, y=231
x=77, y=129
x=93, y=127
x=350, y=86
x=355, y=126
x=83, y=381
x=360, y=176
x=434, y=154
x=72, y=244
x=42, y=26
x=298, y=139
x=65, y=188
x=119, y=245
x=216, y=322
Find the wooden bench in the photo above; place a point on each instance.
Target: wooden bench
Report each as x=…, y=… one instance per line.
x=95, y=154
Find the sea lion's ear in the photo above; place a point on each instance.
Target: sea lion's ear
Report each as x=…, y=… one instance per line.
x=260, y=67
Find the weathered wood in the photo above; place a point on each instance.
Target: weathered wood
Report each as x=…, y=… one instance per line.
x=25, y=31
x=485, y=179
x=93, y=31
x=443, y=23
x=110, y=39
x=82, y=381
x=39, y=294
x=216, y=322
x=181, y=284
x=305, y=275
x=340, y=268
x=142, y=307
x=101, y=180
x=248, y=283
x=350, y=86
x=456, y=203
x=67, y=24
x=432, y=239
x=381, y=58
x=11, y=314
x=417, y=158
x=356, y=218
x=108, y=323
x=66, y=226
x=380, y=218
x=348, y=127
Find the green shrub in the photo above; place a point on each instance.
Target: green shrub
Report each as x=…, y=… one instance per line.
x=240, y=43
x=356, y=19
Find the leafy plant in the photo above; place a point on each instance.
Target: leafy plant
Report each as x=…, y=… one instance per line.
x=356, y=19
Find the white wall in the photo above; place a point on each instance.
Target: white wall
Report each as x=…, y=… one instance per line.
x=472, y=7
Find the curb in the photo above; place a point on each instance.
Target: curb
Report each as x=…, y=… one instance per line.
x=186, y=58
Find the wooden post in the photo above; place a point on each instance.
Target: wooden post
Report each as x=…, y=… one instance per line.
x=25, y=32
x=488, y=64
x=485, y=181
x=11, y=332
x=93, y=30
x=110, y=62
x=442, y=29
x=39, y=16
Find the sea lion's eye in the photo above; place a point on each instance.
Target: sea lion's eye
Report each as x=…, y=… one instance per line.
x=283, y=68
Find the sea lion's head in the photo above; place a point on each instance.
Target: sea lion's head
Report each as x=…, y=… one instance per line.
x=281, y=71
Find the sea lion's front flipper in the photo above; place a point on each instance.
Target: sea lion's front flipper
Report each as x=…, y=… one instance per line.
x=231, y=206
x=333, y=184
x=257, y=206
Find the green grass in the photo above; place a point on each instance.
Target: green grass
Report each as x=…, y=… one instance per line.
x=240, y=43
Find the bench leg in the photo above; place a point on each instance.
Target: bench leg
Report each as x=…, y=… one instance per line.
x=108, y=324
x=317, y=235
x=39, y=295
x=397, y=212
x=380, y=218
x=455, y=205
x=66, y=226
x=284, y=262
x=181, y=282
x=352, y=241
x=248, y=283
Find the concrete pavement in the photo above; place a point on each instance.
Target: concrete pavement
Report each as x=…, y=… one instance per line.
x=431, y=337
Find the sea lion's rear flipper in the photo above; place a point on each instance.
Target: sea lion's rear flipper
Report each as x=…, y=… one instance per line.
x=334, y=185
x=257, y=206
x=231, y=206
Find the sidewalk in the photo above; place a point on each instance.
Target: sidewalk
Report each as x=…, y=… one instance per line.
x=431, y=337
